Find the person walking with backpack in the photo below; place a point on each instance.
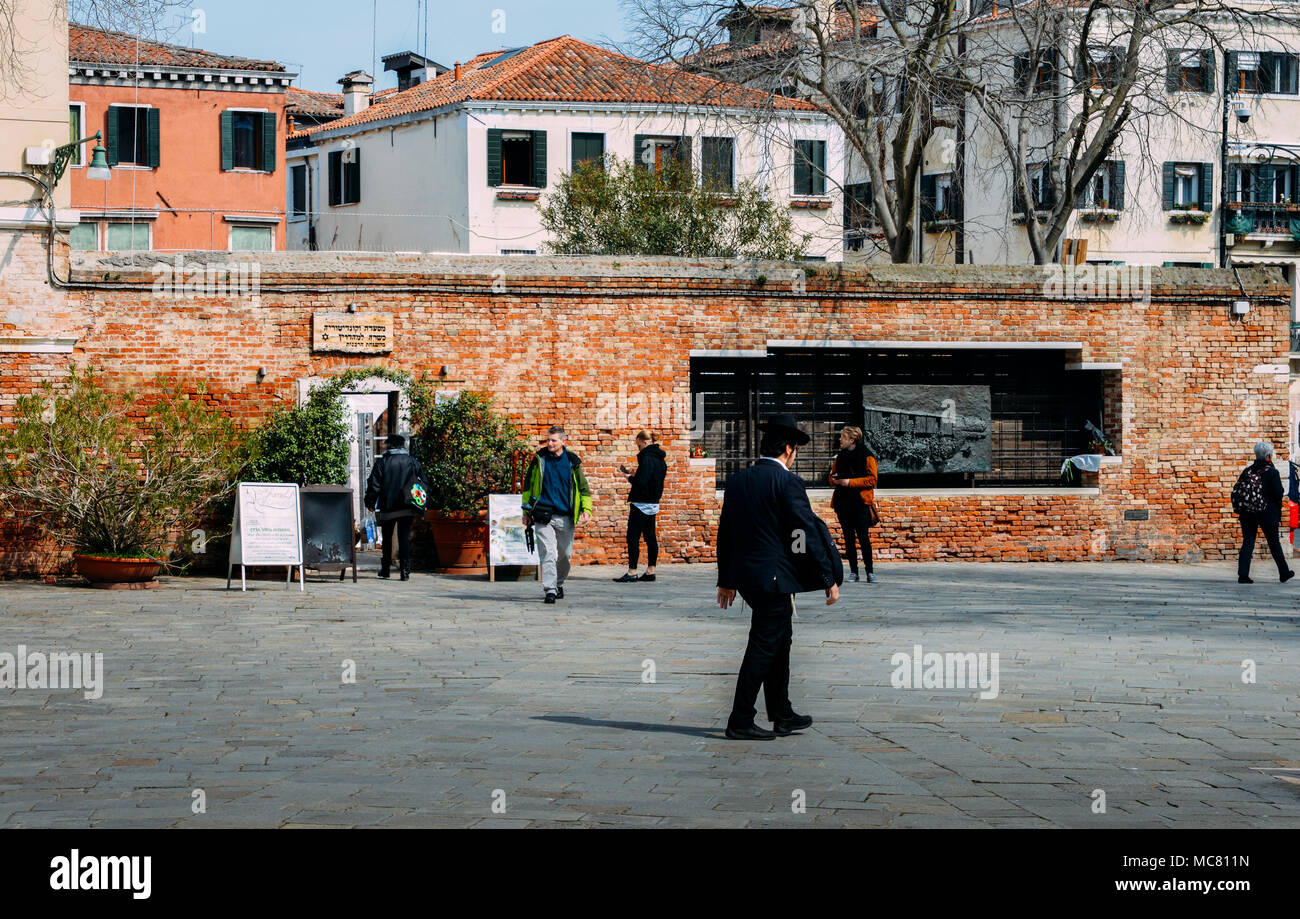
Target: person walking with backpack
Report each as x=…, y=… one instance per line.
x=854, y=500
x=647, y=488
x=1257, y=501
x=388, y=493
x=556, y=499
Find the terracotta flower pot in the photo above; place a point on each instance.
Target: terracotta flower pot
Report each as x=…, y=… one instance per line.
x=460, y=540
x=99, y=569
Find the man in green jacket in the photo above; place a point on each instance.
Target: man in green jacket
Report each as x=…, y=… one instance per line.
x=556, y=498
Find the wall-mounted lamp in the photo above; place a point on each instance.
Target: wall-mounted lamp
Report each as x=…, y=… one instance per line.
x=51, y=164
x=261, y=374
x=352, y=307
x=442, y=371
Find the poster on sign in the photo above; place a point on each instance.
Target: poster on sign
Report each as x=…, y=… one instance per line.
x=507, y=540
x=267, y=530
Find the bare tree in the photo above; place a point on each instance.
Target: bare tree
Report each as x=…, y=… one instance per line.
x=872, y=69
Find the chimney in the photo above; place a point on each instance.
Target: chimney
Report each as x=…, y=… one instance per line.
x=457, y=77
x=412, y=69
x=356, y=92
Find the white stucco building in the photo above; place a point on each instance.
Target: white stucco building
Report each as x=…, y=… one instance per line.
x=460, y=162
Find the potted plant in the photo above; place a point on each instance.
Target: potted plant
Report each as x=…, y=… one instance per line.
x=1101, y=445
x=117, y=476
x=468, y=452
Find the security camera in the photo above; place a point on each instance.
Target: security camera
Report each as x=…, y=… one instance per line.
x=1242, y=110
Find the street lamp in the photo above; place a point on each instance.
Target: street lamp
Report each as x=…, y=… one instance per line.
x=60, y=157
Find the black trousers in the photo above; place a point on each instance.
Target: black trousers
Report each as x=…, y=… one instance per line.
x=854, y=524
x=1249, y=524
x=403, y=525
x=767, y=660
x=638, y=525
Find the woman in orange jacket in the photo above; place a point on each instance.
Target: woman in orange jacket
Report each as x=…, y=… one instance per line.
x=854, y=501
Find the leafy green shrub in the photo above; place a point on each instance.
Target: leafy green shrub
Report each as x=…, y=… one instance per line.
x=117, y=473
x=306, y=445
x=465, y=448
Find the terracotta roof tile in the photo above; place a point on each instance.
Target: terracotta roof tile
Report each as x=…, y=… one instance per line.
x=88, y=45
x=563, y=69
x=309, y=102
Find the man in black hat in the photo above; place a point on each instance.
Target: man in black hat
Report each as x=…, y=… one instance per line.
x=770, y=546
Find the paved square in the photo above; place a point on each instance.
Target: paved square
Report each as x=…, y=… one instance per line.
x=1114, y=676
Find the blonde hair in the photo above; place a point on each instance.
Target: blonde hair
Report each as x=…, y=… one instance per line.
x=854, y=432
x=650, y=436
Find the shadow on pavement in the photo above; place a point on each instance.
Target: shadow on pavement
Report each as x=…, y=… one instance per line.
x=632, y=725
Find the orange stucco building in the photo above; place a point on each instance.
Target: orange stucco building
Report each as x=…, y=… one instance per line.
x=195, y=141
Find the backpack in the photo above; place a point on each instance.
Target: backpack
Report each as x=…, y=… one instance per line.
x=1248, y=493
x=415, y=488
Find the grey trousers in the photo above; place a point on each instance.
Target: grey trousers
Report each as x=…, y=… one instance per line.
x=554, y=549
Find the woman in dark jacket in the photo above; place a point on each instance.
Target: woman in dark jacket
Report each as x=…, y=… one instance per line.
x=647, y=488
x=854, y=500
x=1267, y=519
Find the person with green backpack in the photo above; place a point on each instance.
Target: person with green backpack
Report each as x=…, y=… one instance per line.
x=397, y=493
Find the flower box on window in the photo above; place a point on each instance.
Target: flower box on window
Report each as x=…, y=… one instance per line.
x=1099, y=215
x=1189, y=215
x=518, y=194
x=820, y=204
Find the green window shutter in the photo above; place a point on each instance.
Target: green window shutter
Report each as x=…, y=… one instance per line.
x=153, y=144
x=1173, y=69
x=642, y=151
x=1265, y=176
x=111, y=130
x=1207, y=264
x=1167, y=265
x=227, y=141
x=1117, y=185
x=352, y=179
x=819, y=167
x=803, y=167
x=1206, y=191
x=1049, y=189
x=1207, y=70
x=539, y=159
x=927, y=198
x=1286, y=74
x=1167, y=182
x=682, y=152
x=958, y=195
x=269, y=147
x=336, y=178
x=494, y=156
x=1230, y=70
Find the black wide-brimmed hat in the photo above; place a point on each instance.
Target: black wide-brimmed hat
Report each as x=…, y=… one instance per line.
x=784, y=423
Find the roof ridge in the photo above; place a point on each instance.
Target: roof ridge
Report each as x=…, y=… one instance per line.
x=157, y=43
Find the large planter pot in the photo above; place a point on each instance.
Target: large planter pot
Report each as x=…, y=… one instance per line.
x=460, y=539
x=98, y=569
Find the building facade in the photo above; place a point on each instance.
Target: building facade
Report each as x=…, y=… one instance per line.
x=195, y=141
x=460, y=162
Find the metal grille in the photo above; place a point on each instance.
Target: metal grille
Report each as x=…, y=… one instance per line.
x=1039, y=408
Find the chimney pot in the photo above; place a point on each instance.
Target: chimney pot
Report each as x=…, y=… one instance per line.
x=456, y=78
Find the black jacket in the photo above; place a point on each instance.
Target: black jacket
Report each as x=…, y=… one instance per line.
x=385, y=490
x=766, y=522
x=1273, y=492
x=648, y=482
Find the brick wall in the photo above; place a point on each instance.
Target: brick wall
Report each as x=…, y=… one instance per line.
x=564, y=335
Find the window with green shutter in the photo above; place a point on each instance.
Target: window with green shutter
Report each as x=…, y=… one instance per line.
x=269, y=149
x=653, y=151
x=587, y=148
x=810, y=167
x=133, y=136
x=227, y=141
x=1186, y=186
x=717, y=166
x=74, y=132
x=522, y=158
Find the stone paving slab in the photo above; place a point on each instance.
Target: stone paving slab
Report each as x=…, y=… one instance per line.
x=476, y=705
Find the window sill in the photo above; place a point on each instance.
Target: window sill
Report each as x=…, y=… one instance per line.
x=1196, y=216
x=348, y=204
x=1041, y=216
x=522, y=194
x=814, y=203
x=246, y=169
x=703, y=461
x=942, y=225
x=1099, y=214
x=134, y=167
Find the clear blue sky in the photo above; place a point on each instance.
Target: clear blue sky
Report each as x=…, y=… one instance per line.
x=324, y=39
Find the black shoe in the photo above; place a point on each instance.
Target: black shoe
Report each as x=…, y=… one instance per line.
x=1286, y=577
x=1242, y=579
x=559, y=593
x=550, y=597
x=646, y=577
x=791, y=723
x=383, y=572
x=406, y=575
x=626, y=579
x=753, y=732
